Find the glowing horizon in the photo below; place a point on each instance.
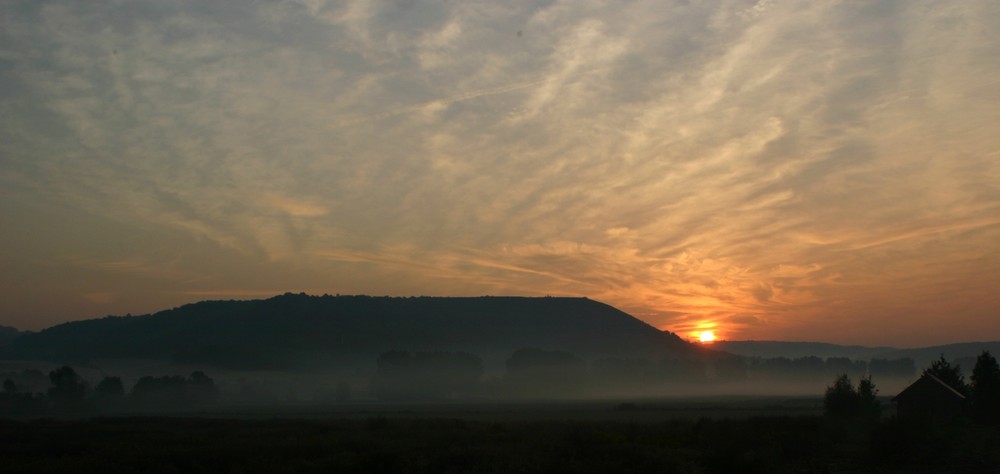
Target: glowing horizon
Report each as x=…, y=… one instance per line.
x=819, y=171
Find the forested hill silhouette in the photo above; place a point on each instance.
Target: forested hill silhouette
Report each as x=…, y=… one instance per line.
x=298, y=330
x=7, y=335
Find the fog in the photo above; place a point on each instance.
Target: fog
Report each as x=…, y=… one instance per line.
x=428, y=379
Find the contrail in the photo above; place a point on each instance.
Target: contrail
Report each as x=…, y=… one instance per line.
x=444, y=101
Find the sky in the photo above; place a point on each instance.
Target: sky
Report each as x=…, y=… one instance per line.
x=785, y=170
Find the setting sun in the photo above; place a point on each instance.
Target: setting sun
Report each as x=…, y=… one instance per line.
x=706, y=336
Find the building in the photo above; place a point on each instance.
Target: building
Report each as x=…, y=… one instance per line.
x=929, y=398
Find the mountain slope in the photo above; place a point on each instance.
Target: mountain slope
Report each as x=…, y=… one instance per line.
x=7, y=335
x=300, y=330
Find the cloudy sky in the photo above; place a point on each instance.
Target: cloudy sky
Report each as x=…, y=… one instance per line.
x=801, y=170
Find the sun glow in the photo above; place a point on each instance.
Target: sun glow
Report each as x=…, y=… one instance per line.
x=706, y=336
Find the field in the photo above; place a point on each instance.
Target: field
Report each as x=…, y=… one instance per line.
x=684, y=436
x=624, y=410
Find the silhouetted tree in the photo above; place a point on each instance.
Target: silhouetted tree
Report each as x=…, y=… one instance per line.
x=201, y=389
x=68, y=389
x=868, y=404
x=842, y=400
x=986, y=388
x=28, y=381
x=32, y=381
x=951, y=375
x=13, y=403
x=109, y=393
x=174, y=391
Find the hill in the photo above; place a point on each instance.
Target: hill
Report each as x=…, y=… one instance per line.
x=297, y=330
x=963, y=353
x=7, y=335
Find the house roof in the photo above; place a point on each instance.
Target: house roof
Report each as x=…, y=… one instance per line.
x=926, y=383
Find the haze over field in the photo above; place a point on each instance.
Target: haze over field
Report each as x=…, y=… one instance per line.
x=774, y=170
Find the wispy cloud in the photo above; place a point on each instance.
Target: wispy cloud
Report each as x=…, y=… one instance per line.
x=776, y=170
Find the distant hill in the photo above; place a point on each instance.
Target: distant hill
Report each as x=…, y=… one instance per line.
x=297, y=330
x=922, y=356
x=770, y=349
x=964, y=353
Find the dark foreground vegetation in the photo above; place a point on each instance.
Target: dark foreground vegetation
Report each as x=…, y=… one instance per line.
x=769, y=444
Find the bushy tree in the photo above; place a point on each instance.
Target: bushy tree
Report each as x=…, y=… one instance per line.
x=16, y=403
x=175, y=391
x=986, y=388
x=202, y=389
x=843, y=400
x=67, y=386
x=869, y=406
x=109, y=394
x=950, y=375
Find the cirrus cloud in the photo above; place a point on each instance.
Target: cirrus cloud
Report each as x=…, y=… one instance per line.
x=781, y=170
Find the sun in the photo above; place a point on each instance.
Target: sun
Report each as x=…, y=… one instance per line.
x=706, y=336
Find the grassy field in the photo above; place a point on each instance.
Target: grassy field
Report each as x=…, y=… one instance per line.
x=684, y=436
x=625, y=410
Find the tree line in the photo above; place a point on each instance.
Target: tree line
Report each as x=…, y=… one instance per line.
x=982, y=396
x=535, y=372
x=68, y=392
x=982, y=392
x=402, y=375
